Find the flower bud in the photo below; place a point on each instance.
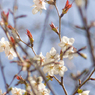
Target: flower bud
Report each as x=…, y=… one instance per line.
x=30, y=37
x=66, y=8
x=5, y=17
x=51, y=2
x=83, y=55
x=10, y=27
x=12, y=40
x=19, y=77
x=54, y=28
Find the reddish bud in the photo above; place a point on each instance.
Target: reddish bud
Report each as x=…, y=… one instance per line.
x=54, y=28
x=66, y=8
x=30, y=37
x=52, y=25
x=19, y=77
x=10, y=27
x=29, y=34
x=12, y=40
x=5, y=17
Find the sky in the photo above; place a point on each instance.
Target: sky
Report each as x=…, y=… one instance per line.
x=35, y=23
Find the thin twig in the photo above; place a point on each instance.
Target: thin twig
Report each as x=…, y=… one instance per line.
x=61, y=83
x=28, y=46
x=60, y=28
x=84, y=20
x=56, y=79
x=84, y=82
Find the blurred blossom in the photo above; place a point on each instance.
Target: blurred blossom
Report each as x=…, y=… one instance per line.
x=78, y=2
x=0, y=92
x=39, y=58
x=17, y=91
x=38, y=6
x=38, y=86
x=84, y=93
x=6, y=46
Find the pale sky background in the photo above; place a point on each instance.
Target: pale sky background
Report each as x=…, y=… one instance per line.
x=35, y=24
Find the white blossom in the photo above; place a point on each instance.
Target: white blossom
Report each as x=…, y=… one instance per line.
x=52, y=55
x=84, y=93
x=17, y=91
x=66, y=42
x=10, y=52
x=60, y=68
x=6, y=46
x=49, y=69
x=39, y=58
x=66, y=46
x=71, y=53
x=0, y=92
x=52, y=65
x=78, y=2
x=38, y=6
x=2, y=44
x=38, y=86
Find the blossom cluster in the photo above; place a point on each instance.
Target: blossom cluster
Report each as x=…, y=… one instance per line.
x=6, y=46
x=38, y=86
x=14, y=91
x=52, y=64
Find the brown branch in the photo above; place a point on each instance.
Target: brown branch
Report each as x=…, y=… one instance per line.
x=84, y=20
x=84, y=82
x=61, y=83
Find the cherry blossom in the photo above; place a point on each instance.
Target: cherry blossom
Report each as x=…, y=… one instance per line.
x=60, y=68
x=17, y=91
x=38, y=6
x=84, y=93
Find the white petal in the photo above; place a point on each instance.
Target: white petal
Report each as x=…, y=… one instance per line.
x=34, y=10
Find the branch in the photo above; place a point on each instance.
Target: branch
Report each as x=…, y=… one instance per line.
x=84, y=82
x=61, y=83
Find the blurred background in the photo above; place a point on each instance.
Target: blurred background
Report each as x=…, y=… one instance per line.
x=45, y=39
